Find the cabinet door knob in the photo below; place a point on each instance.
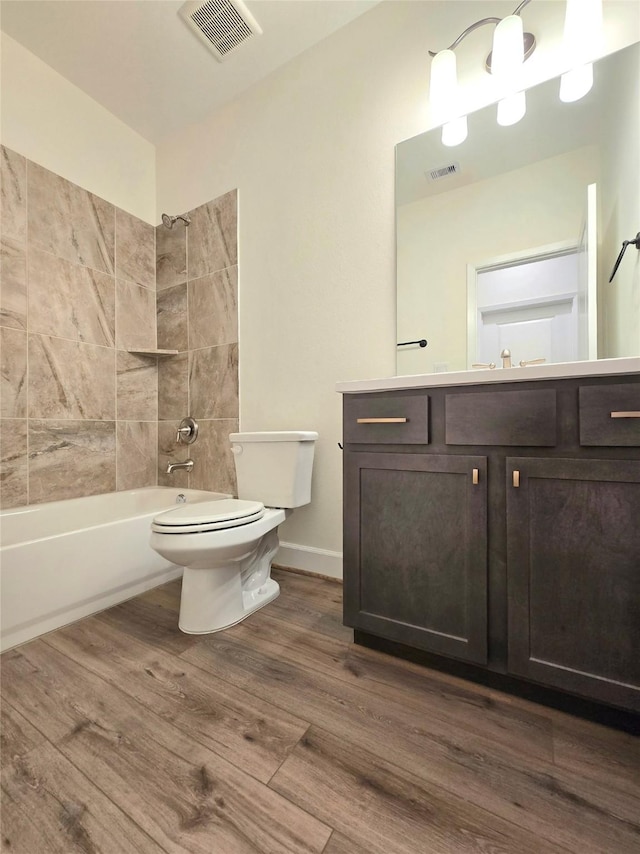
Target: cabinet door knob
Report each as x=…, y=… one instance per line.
x=516, y=478
x=382, y=420
x=475, y=477
x=631, y=414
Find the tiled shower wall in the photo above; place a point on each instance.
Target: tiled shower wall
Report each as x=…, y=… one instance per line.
x=197, y=281
x=78, y=413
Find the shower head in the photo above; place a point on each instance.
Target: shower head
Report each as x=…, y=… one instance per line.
x=170, y=221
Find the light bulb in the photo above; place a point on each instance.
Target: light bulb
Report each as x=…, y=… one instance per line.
x=443, y=85
x=507, y=60
x=454, y=132
x=582, y=42
x=576, y=83
x=508, y=48
x=443, y=95
x=511, y=109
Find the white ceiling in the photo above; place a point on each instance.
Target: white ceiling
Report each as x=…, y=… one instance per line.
x=140, y=60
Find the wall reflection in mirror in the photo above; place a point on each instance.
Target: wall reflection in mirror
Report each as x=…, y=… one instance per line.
x=508, y=240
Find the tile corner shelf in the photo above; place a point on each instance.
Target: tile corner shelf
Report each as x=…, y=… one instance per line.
x=154, y=352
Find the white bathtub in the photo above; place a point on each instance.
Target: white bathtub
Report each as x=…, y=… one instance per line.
x=63, y=560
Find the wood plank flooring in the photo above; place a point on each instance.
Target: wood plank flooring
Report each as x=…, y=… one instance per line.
x=280, y=736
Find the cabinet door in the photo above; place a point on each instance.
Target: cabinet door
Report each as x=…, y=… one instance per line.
x=416, y=550
x=573, y=558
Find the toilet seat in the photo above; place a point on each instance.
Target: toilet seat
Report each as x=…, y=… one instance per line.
x=208, y=516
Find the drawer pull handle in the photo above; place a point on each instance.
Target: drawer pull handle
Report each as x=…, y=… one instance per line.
x=475, y=477
x=516, y=478
x=631, y=414
x=382, y=420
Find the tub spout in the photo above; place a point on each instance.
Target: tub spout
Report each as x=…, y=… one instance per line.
x=187, y=464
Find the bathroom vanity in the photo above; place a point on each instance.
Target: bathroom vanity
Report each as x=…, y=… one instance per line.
x=493, y=518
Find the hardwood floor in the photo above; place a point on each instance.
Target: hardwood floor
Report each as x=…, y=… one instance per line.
x=120, y=734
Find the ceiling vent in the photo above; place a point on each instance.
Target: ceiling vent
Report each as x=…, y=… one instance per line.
x=443, y=172
x=222, y=25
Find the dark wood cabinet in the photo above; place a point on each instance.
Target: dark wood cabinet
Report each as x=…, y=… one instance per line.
x=573, y=559
x=532, y=572
x=416, y=546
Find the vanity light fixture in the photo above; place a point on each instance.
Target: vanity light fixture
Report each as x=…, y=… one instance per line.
x=511, y=48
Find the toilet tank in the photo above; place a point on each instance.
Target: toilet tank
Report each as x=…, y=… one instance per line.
x=274, y=467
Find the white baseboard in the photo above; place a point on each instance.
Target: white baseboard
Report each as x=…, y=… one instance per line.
x=308, y=559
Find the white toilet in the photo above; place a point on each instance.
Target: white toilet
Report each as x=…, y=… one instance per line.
x=226, y=546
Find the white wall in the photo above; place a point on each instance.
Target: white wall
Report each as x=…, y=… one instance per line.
x=538, y=205
x=620, y=213
x=311, y=150
x=50, y=121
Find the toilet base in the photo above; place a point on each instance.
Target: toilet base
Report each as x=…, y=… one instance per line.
x=213, y=601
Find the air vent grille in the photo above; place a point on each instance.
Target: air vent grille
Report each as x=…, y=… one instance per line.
x=443, y=171
x=222, y=25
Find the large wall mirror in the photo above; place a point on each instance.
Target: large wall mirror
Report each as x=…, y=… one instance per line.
x=508, y=240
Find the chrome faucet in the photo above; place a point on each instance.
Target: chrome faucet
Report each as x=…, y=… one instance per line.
x=187, y=464
x=506, y=358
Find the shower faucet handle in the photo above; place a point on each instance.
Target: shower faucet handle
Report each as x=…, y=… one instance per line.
x=187, y=431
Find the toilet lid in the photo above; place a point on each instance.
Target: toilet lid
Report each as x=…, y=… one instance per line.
x=208, y=516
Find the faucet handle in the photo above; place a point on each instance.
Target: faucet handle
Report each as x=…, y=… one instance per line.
x=187, y=431
x=525, y=362
x=490, y=365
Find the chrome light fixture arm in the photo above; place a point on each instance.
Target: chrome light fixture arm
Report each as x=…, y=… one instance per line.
x=530, y=42
x=466, y=32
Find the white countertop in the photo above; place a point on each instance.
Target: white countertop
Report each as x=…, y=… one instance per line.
x=559, y=370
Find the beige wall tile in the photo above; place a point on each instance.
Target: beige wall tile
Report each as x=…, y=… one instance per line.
x=68, y=221
x=135, y=317
x=169, y=450
x=92, y=271
x=212, y=241
x=136, y=387
x=137, y=452
x=68, y=459
x=213, y=309
x=172, y=318
x=13, y=373
x=171, y=255
x=70, y=301
x=13, y=284
x=13, y=462
x=68, y=379
x=13, y=195
x=173, y=387
x=214, y=467
x=135, y=250
x=213, y=382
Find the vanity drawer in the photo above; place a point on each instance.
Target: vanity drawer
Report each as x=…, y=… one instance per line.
x=524, y=418
x=610, y=415
x=397, y=420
